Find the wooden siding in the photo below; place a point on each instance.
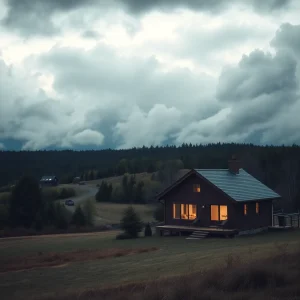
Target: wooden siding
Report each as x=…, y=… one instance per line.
x=183, y=194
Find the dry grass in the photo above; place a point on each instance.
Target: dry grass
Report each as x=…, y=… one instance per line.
x=42, y=260
x=111, y=213
x=176, y=257
x=275, y=277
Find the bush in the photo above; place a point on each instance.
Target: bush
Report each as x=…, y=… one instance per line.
x=159, y=213
x=148, y=230
x=131, y=222
x=123, y=236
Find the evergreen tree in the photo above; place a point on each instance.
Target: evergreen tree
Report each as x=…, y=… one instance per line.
x=139, y=193
x=131, y=222
x=61, y=219
x=78, y=218
x=89, y=211
x=50, y=213
x=148, y=230
x=26, y=202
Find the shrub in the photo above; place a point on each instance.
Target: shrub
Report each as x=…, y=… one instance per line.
x=123, y=236
x=148, y=230
x=131, y=222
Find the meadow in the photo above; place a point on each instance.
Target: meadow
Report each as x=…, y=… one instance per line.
x=77, y=263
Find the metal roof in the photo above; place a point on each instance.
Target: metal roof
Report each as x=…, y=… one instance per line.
x=240, y=187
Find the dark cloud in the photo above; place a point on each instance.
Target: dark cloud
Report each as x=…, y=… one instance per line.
x=35, y=17
x=31, y=17
x=137, y=6
x=288, y=38
x=259, y=89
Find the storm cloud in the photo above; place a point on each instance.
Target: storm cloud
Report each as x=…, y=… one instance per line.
x=41, y=17
x=148, y=74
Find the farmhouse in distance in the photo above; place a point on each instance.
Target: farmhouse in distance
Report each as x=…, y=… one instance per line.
x=217, y=201
x=49, y=181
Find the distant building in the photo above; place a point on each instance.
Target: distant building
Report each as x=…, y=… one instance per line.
x=49, y=181
x=76, y=180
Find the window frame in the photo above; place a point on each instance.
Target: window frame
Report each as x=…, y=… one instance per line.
x=245, y=209
x=180, y=211
x=257, y=208
x=196, y=188
x=219, y=212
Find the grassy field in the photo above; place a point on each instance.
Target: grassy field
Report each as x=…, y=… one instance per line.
x=111, y=213
x=175, y=256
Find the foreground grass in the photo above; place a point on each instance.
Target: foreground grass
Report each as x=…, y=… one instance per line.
x=176, y=256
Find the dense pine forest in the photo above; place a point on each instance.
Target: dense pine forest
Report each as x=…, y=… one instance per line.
x=278, y=167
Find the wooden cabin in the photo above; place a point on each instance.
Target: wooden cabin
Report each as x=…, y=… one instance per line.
x=219, y=201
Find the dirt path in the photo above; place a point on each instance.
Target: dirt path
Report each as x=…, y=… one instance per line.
x=85, y=192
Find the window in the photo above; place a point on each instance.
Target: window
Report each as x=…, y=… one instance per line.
x=257, y=208
x=223, y=212
x=214, y=212
x=218, y=212
x=176, y=211
x=196, y=188
x=245, y=209
x=184, y=211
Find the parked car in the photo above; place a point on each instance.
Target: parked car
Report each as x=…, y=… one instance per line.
x=69, y=202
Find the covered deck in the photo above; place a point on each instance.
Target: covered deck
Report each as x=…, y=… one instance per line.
x=185, y=230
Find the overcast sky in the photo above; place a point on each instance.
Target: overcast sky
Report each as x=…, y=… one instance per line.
x=87, y=74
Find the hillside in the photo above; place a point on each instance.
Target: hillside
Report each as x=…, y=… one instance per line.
x=277, y=167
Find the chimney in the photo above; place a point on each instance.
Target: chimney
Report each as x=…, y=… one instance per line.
x=234, y=165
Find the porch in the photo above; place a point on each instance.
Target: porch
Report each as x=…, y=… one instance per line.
x=186, y=230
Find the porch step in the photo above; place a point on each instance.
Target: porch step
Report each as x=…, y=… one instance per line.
x=198, y=235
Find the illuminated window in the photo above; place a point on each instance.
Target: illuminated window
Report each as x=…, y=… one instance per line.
x=245, y=209
x=223, y=212
x=176, y=211
x=184, y=211
x=192, y=211
x=257, y=207
x=218, y=213
x=196, y=188
x=214, y=212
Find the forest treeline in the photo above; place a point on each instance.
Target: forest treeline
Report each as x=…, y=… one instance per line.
x=276, y=166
